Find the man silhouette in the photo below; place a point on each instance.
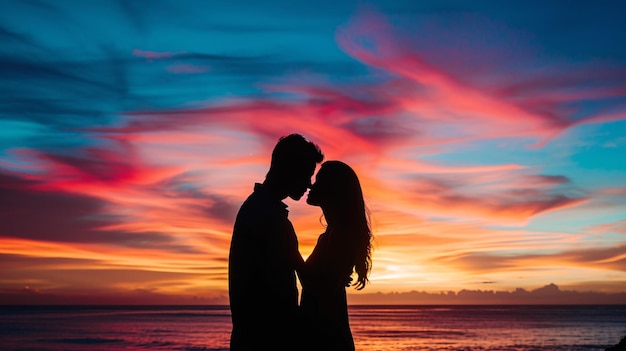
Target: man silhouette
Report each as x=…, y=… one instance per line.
x=264, y=252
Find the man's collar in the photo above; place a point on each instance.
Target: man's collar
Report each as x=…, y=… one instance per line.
x=261, y=188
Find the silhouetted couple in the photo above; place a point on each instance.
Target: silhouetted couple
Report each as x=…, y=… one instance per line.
x=264, y=256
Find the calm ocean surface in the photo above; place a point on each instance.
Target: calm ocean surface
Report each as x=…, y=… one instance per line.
x=380, y=328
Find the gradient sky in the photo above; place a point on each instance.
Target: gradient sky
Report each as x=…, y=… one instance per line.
x=489, y=137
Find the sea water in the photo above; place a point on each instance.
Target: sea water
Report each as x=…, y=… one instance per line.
x=375, y=328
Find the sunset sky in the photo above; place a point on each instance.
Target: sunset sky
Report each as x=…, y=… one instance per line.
x=489, y=137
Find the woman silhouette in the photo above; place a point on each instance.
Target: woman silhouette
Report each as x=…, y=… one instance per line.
x=345, y=247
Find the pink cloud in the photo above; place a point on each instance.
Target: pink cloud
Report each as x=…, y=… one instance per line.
x=618, y=227
x=187, y=69
x=153, y=54
x=613, y=191
x=479, y=113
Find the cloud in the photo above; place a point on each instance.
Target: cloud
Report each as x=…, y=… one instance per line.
x=109, y=278
x=480, y=113
x=547, y=180
x=21, y=262
x=613, y=192
x=618, y=227
x=57, y=216
x=611, y=258
x=504, y=194
x=548, y=294
x=135, y=147
x=187, y=186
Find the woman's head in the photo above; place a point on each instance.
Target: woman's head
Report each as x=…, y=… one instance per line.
x=336, y=188
x=337, y=191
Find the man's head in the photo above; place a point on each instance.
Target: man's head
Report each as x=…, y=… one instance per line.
x=293, y=163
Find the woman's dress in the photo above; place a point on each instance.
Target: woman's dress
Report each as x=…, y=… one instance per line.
x=323, y=303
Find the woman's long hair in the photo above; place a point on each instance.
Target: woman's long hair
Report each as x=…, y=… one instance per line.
x=352, y=216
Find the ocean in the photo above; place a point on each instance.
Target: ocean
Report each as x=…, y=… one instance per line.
x=375, y=328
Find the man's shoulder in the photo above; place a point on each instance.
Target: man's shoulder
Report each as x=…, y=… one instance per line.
x=258, y=207
x=255, y=203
